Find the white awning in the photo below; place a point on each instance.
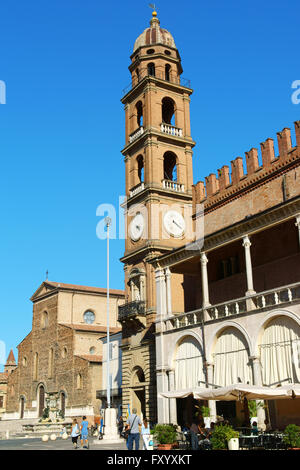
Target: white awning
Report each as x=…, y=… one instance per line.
x=238, y=392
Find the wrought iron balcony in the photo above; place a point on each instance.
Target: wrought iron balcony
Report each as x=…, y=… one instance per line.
x=132, y=309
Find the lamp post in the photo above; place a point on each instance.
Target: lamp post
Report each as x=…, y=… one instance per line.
x=108, y=223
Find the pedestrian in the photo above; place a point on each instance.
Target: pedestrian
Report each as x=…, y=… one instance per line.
x=132, y=424
x=120, y=424
x=84, y=432
x=146, y=435
x=194, y=430
x=75, y=433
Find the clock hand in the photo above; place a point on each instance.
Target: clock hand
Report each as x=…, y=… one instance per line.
x=174, y=222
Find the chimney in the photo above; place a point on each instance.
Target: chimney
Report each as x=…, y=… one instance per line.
x=237, y=171
x=267, y=152
x=284, y=142
x=212, y=184
x=223, y=177
x=252, y=161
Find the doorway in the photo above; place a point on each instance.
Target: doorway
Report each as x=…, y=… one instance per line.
x=41, y=400
x=63, y=404
x=22, y=407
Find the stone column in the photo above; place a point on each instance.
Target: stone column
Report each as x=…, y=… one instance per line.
x=169, y=291
x=257, y=380
x=247, y=245
x=205, y=291
x=211, y=403
x=172, y=401
x=298, y=225
x=161, y=374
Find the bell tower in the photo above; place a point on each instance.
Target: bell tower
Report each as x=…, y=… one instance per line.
x=158, y=182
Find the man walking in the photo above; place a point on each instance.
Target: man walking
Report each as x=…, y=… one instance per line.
x=133, y=422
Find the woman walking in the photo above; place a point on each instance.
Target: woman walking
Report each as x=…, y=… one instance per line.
x=146, y=434
x=75, y=433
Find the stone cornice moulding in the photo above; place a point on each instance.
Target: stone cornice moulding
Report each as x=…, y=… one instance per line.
x=229, y=235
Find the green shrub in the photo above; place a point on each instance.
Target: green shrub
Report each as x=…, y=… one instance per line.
x=165, y=433
x=221, y=435
x=291, y=435
x=205, y=411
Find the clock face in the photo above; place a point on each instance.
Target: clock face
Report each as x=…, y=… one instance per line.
x=174, y=223
x=136, y=227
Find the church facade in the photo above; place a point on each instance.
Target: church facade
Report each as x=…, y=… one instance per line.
x=212, y=270
x=60, y=360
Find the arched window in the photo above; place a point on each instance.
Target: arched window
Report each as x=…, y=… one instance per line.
x=35, y=366
x=51, y=363
x=139, y=376
x=168, y=72
x=231, y=359
x=168, y=111
x=140, y=163
x=280, y=352
x=139, y=113
x=188, y=364
x=151, y=69
x=170, y=167
x=79, y=382
x=45, y=320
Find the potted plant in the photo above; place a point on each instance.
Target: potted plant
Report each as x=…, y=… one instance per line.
x=166, y=436
x=222, y=435
x=291, y=437
x=206, y=416
x=253, y=407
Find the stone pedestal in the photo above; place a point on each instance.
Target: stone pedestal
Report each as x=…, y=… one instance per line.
x=111, y=435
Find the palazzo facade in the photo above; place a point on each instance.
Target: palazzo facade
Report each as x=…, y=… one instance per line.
x=212, y=270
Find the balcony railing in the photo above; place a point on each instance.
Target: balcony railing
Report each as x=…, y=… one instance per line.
x=132, y=309
x=171, y=130
x=136, y=134
x=270, y=298
x=137, y=189
x=173, y=186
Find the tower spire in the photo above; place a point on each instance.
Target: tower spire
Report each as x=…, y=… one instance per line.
x=154, y=20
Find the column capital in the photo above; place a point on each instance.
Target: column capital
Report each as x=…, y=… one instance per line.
x=168, y=272
x=159, y=274
x=246, y=242
x=203, y=259
x=297, y=223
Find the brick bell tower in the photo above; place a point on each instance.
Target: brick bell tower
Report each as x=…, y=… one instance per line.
x=159, y=179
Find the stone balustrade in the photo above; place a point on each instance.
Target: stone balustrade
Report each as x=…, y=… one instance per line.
x=136, y=134
x=258, y=301
x=171, y=130
x=173, y=186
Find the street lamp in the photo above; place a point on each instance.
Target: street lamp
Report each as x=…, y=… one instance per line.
x=108, y=223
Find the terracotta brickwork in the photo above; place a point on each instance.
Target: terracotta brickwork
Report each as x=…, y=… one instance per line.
x=254, y=191
x=62, y=356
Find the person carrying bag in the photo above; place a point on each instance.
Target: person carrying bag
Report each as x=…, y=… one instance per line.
x=132, y=430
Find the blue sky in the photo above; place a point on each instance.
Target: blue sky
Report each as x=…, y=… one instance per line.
x=65, y=64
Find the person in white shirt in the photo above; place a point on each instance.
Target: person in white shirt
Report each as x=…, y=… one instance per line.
x=146, y=435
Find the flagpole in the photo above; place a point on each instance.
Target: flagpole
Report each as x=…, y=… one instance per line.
x=108, y=223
